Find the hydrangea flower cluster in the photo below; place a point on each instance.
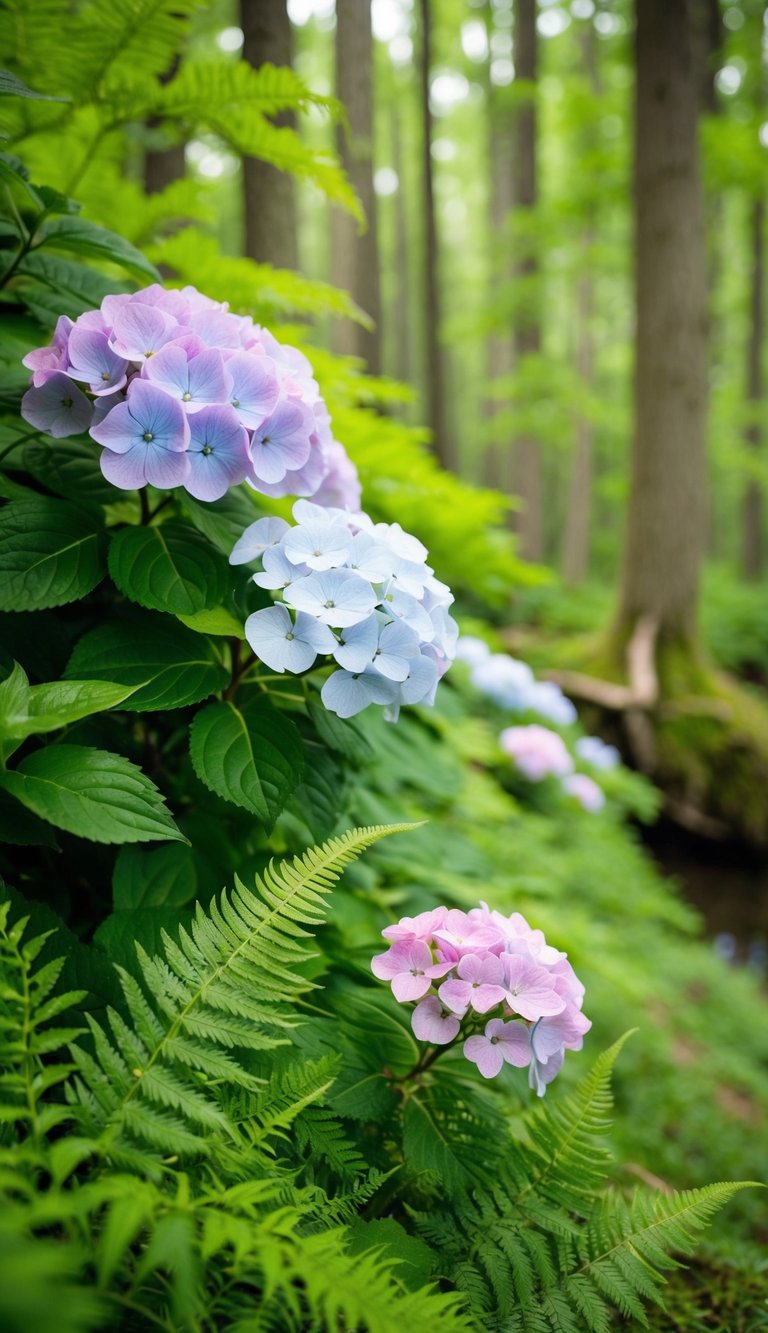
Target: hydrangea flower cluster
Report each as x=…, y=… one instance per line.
x=511, y=684
x=595, y=752
x=537, y=752
x=356, y=592
x=492, y=980
x=586, y=791
x=181, y=392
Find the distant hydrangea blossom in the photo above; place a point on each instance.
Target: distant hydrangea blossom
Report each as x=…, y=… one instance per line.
x=595, y=752
x=586, y=791
x=511, y=684
x=358, y=593
x=181, y=392
x=536, y=752
x=491, y=980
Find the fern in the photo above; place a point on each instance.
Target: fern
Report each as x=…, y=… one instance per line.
x=231, y=981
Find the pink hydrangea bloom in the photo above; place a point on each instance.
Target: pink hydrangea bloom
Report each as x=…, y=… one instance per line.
x=460, y=965
x=204, y=359
x=586, y=791
x=536, y=751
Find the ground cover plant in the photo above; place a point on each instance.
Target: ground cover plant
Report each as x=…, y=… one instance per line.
x=233, y=754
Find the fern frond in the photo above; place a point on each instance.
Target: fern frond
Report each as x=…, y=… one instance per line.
x=231, y=980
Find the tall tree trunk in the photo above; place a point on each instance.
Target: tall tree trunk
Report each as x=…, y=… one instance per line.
x=666, y=518
x=527, y=327
x=401, y=320
x=268, y=199
x=435, y=361
x=577, y=522
x=752, y=518
x=354, y=257
x=163, y=166
x=500, y=350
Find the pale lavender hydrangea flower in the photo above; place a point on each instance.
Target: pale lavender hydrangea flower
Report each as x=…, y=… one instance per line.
x=145, y=440
x=57, y=407
x=586, y=791
x=493, y=980
x=536, y=752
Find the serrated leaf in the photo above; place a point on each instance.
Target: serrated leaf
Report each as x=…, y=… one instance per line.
x=167, y=666
x=319, y=798
x=76, y=235
x=48, y=707
x=75, y=287
x=223, y=521
x=344, y=736
x=153, y=877
x=71, y=469
x=251, y=756
x=170, y=567
x=91, y=793
x=52, y=553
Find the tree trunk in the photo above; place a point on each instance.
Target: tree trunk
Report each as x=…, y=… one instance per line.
x=268, y=198
x=752, y=518
x=401, y=320
x=527, y=329
x=666, y=517
x=354, y=257
x=163, y=166
x=437, y=412
x=577, y=522
x=500, y=350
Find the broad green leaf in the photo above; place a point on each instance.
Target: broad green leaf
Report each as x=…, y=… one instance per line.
x=74, y=287
x=91, y=793
x=344, y=736
x=32, y=710
x=219, y=621
x=319, y=798
x=170, y=567
x=52, y=553
x=223, y=521
x=69, y=467
x=14, y=173
x=166, y=665
x=251, y=756
x=77, y=235
x=153, y=877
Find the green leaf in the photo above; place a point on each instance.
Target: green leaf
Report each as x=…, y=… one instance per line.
x=251, y=756
x=223, y=521
x=70, y=468
x=344, y=736
x=92, y=794
x=153, y=877
x=168, y=568
x=219, y=621
x=10, y=86
x=52, y=553
x=166, y=665
x=74, y=287
x=319, y=799
x=33, y=710
x=77, y=235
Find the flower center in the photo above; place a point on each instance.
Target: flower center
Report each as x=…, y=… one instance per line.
x=417, y=972
x=330, y=604
x=66, y=402
x=235, y=402
x=186, y=397
x=494, y=1041
x=148, y=436
x=290, y=636
x=105, y=376
x=317, y=553
x=267, y=439
x=207, y=450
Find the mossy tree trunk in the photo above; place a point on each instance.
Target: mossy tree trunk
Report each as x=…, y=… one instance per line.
x=667, y=507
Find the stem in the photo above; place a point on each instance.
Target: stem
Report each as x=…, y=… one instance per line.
x=15, y=444
x=145, y=514
x=162, y=505
x=237, y=670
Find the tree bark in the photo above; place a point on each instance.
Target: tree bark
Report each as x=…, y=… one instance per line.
x=527, y=325
x=163, y=166
x=577, y=522
x=752, y=516
x=401, y=318
x=500, y=351
x=666, y=518
x=437, y=412
x=270, y=235
x=355, y=257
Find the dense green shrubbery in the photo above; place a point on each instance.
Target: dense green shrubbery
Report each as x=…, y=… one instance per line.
x=208, y=1114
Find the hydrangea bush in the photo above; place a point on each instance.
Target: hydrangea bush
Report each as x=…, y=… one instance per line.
x=490, y=981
